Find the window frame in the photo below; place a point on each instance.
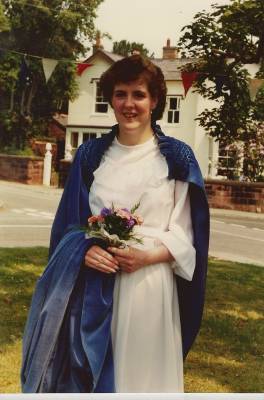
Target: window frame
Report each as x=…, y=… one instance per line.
x=178, y=98
x=92, y=136
x=74, y=139
x=103, y=101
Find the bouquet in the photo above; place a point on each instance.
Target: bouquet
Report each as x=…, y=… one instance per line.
x=115, y=226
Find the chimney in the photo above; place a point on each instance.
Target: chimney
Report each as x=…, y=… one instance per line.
x=98, y=45
x=169, y=53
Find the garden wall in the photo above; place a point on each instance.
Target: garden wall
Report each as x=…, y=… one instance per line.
x=63, y=172
x=233, y=195
x=21, y=169
x=230, y=195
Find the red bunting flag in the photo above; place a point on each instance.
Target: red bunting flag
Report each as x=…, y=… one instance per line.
x=187, y=79
x=82, y=67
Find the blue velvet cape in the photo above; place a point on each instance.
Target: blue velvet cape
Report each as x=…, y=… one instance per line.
x=67, y=340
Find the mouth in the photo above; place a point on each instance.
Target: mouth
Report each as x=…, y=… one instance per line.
x=129, y=115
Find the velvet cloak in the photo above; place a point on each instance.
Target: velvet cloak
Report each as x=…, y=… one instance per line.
x=67, y=340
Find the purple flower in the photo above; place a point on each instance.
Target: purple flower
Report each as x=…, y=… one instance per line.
x=130, y=223
x=106, y=211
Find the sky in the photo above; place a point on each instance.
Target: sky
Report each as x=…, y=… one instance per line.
x=150, y=22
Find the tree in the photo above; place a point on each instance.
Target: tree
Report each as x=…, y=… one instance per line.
x=53, y=29
x=4, y=26
x=221, y=43
x=125, y=48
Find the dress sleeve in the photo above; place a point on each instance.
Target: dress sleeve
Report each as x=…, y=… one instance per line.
x=179, y=237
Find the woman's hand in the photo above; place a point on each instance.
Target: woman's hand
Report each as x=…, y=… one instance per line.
x=130, y=259
x=99, y=259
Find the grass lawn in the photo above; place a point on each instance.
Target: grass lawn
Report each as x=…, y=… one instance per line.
x=228, y=355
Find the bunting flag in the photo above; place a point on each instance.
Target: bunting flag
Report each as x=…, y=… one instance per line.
x=254, y=85
x=82, y=67
x=187, y=79
x=219, y=83
x=48, y=65
x=25, y=74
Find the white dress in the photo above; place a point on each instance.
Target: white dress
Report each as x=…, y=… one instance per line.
x=146, y=333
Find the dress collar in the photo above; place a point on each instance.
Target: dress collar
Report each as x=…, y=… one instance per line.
x=108, y=139
x=169, y=147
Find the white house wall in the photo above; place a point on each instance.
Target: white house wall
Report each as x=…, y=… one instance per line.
x=185, y=128
x=82, y=109
x=203, y=144
x=82, y=116
x=188, y=129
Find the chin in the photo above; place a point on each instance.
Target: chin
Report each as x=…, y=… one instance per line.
x=130, y=126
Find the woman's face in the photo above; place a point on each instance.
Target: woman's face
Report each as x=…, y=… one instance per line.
x=132, y=104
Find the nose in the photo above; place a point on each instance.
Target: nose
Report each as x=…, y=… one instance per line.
x=128, y=101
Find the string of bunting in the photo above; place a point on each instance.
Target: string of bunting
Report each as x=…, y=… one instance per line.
x=188, y=78
x=48, y=64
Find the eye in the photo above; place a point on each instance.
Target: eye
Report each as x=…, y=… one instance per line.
x=139, y=94
x=119, y=93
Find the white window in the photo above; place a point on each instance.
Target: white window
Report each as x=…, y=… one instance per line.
x=173, y=111
x=101, y=104
x=89, y=136
x=74, y=139
x=230, y=159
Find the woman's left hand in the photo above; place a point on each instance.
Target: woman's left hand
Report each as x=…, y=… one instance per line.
x=129, y=259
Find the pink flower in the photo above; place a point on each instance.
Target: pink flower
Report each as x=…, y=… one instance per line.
x=138, y=219
x=95, y=218
x=123, y=213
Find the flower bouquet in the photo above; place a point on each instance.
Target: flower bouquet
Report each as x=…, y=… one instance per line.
x=115, y=226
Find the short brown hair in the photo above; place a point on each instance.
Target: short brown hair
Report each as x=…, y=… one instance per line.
x=130, y=69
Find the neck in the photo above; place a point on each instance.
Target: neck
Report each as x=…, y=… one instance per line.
x=133, y=137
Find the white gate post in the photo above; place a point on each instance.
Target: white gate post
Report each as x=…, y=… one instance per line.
x=68, y=152
x=47, y=165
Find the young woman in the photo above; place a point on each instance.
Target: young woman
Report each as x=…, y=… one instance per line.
x=126, y=317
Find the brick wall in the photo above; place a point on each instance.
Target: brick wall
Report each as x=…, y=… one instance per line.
x=233, y=195
x=230, y=195
x=39, y=148
x=21, y=169
x=63, y=172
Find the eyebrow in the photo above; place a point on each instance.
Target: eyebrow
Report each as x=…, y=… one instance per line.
x=134, y=91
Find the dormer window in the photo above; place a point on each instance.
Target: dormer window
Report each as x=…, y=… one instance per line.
x=101, y=104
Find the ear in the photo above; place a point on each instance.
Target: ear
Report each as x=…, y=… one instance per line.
x=154, y=102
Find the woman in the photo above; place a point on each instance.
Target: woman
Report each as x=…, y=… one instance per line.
x=125, y=331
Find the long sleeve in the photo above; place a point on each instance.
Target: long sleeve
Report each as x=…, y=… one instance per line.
x=179, y=238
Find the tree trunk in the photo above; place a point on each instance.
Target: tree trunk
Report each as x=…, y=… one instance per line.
x=22, y=102
x=12, y=96
x=32, y=93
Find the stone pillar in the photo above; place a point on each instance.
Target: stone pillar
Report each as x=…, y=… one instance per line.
x=68, y=152
x=47, y=165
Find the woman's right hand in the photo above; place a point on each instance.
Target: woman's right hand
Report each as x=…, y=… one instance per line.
x=99, y=259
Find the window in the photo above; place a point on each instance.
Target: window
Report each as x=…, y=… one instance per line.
x=101, y=104
x=229, y=163
x=74, y=139
x=89, y=136
x=173, y=115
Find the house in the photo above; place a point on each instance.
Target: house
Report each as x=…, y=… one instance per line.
x=91, y=116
